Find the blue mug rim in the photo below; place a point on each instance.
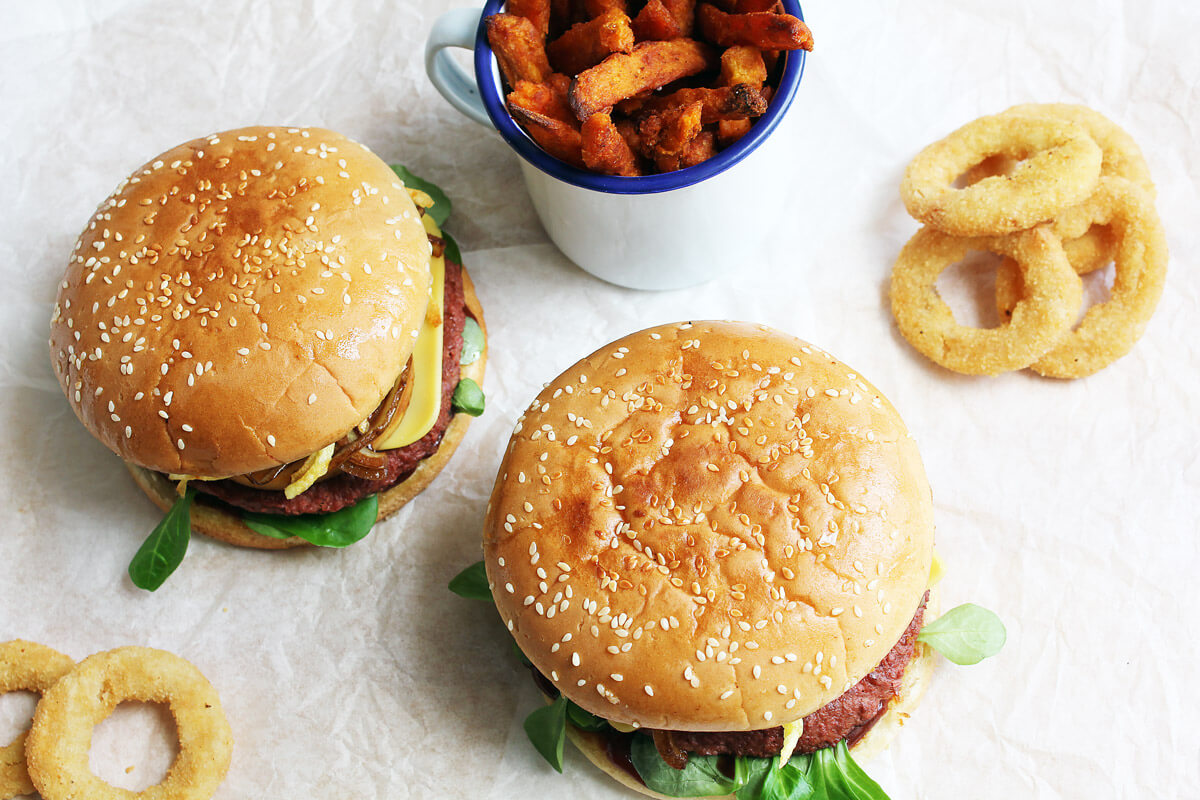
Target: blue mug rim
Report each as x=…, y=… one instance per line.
x=490, y=92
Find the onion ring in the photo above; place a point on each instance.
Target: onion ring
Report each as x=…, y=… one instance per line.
x=1088, y=252
x=30, y=667
x=61, y=736
x=1120, y=157
x=1109, y=329
x=1060, y=166
x=1039, y=320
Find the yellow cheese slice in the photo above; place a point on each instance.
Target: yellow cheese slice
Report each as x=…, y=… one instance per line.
x=426, y=370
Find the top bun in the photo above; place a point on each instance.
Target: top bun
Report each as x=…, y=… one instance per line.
x=708, y=526
x=241, y=301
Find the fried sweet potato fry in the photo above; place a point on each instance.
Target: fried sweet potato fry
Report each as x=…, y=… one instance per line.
x=667, y=134
x=542, y=110
x=684, y=12
x=743, y=64
x=730, y=130
x=656, y=23
x=697, y=150
x=548, y=98
x=605, y=149
x=764, y=30
x=588, y=43
x=630, y=106
x=649, y=66
x=628, y=130
x=559, y=139
x=519, y=48
x=717, y=104
x=536, y=11
x=556, y=137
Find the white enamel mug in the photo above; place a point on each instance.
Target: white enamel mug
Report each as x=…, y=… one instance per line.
x=664, y=231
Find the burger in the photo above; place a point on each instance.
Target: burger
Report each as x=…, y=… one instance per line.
x=271, y=330
x=712, y=544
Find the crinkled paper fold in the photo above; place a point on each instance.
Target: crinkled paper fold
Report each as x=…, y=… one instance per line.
x=1067, y=507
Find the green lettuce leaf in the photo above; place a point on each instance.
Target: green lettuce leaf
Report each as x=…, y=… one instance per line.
x=339, y=529
x=764, y=779
x=165, y=547
x=834, y=775
x=966, y=634
x=585, y=720
x=441, y=203
x=700, y=778
x=452, y=252
x=472, y=583
x=546, y=728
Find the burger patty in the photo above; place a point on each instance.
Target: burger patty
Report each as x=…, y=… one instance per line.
x=848, y=717
x=345, y=490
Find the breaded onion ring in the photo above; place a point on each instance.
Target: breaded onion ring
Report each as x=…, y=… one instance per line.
x=1120, y=157
x=61, y=736
x=1060, y=165
x=1039, y=320
x=1109, y=329
x=1095, y=248
x=29, y=667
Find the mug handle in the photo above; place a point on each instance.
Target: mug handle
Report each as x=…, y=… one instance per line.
x=455, y=28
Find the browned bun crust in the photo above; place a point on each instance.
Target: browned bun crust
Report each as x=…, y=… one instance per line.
x=226, y=526
x=912, y=689
x=241, y=301
x=708, y=526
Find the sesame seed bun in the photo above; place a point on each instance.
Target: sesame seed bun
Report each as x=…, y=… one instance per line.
x=708, y=526
x=241, y=301
x=226, y=526
x=900, y=708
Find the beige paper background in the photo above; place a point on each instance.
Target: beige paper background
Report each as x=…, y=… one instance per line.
x=1069, y=508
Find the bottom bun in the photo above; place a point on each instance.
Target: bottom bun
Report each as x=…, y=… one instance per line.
x=912, y=688
x=227, y=526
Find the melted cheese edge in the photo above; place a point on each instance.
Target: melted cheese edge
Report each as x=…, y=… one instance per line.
x=426, y=370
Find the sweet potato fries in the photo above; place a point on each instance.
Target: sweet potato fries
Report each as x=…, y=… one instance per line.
x=634, y=87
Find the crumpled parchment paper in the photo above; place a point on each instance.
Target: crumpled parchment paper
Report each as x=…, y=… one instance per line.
x=1069, y=508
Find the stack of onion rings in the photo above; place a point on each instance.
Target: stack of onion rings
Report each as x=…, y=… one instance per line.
x=30, y=667
x=1064, y=169
x=53, y=757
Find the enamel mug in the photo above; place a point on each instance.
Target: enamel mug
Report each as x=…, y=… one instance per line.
x=665, y=231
